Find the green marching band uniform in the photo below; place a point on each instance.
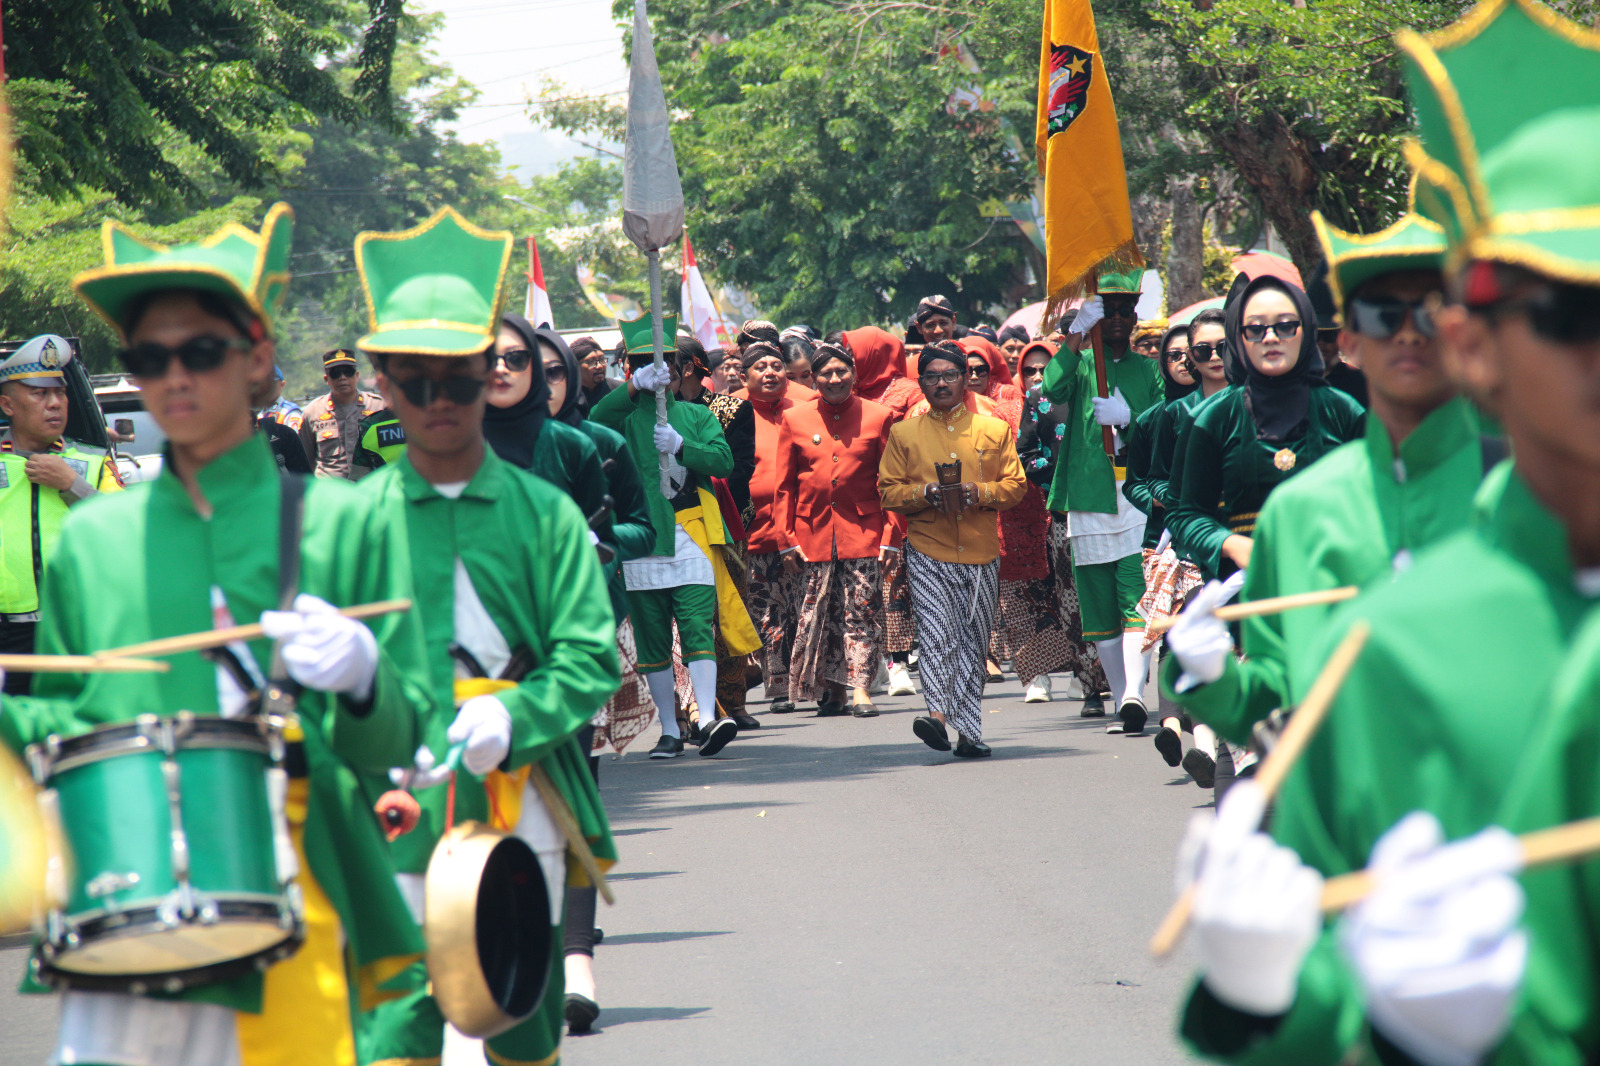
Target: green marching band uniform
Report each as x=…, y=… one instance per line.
x=1360, y=512
x=142, y=564
x=1483, y=662
x=505, y=572
x=1085, y=479
x=1147, y=467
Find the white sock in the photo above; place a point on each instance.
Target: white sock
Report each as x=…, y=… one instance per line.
x=703, y=676
x=1111, y=662
x=1205, y=739
x=661, y=690
x=1135, y=664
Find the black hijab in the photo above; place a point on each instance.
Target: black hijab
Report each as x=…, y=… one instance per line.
x=513, y=431
x=1277, y=404
x=571, y=408
x=1169, y=385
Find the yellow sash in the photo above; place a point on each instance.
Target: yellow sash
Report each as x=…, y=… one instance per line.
x=733, y=618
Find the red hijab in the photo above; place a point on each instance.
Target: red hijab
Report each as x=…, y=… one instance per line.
x=1044, y=346
x=880, y=358
x=1000, y=386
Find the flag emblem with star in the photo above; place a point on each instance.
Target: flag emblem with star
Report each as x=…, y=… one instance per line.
x=1070, y=71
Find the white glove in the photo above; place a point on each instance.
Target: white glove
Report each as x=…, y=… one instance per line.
x=484, y=725
x=668, y=440
x=424, y=773
x=1164, y=542
x=1436, y=944
x=1199, y=640
x=1089, y=316
x=649, y=378
x=324, y=650
x=1111, y=410
x=1257, y=908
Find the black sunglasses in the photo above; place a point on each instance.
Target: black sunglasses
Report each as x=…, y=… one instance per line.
x=1257, y=331
x=197, y=354
x=1121, y=308
x=1565, y=314
x=337, y=372
x=1204, y=353
x=421, y=392
x=1383, y=317
x=979, y=370
x=516, y=360
x=556, y=371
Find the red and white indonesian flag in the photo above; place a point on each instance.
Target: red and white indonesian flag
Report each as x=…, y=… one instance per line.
x=536, y=308
x=700, y=311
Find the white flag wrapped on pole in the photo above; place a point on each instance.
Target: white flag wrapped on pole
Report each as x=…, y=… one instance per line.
x=700, y=311
x=652, y=194
x=536, y=308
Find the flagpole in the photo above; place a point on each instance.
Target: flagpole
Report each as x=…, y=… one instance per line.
x=657, y=341
x=1100, y=374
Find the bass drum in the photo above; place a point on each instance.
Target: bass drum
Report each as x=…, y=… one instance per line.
x=181, y=865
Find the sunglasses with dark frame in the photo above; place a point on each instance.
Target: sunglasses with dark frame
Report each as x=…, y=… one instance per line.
x=197, y=354
x=978, y=370
x=1382, y=317
x=1565, y=314
x=1121, y=308
x=336, y=372
x=421, y=392
x=944, y=377
x=516, y=360
x=555, y=371
x=1283, y=330
x=1204, y=353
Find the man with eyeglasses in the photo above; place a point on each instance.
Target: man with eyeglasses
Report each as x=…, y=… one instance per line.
x=1470, y=713
x=520, y=638
x=1106, y=530
x=951, y=471
x=201, y=547
x=330, y=428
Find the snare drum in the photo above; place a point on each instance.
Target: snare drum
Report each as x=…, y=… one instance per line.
x=181, y=867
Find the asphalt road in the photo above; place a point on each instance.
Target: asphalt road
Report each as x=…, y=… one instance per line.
x=832, y=891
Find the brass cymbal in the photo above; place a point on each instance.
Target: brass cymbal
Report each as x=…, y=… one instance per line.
x=487, y=928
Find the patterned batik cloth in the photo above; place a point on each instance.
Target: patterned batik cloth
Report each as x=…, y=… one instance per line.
x=774, y=601
x=1082, y=661
x=631, y=710
x=955, y=604
x=899, y=625
x=837, y=640
x=1028, y=629
x=1168, y=581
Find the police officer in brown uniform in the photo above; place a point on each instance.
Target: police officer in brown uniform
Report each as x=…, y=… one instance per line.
x=331, y=429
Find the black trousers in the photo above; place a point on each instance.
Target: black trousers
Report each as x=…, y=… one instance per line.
x=16, y=638
x=580, y=903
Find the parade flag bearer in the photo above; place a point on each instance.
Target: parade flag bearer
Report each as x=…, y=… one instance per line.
x=520, y=639
x=194, y=549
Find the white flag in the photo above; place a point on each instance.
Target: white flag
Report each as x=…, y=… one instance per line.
x=536, y=308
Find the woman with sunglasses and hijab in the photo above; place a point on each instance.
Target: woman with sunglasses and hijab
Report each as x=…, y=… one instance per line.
x=997, y=382
x=1281, y=419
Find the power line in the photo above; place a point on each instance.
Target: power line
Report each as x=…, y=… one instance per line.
x=535, y=48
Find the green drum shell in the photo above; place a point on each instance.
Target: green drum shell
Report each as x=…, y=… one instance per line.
x=118, y=821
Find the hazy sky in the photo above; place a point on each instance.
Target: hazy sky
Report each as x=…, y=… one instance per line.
x=503, y=46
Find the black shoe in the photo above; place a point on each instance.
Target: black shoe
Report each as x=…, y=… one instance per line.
x=782, y=707
x=1093, y=707
x=581, y=1011
x=599, y=934
x=716, y=736
x=831, y=709
x=864, y=710
x=931, y=732
x=1133, y=717
x=1170, y=745
x=1201, y=767
x=971, y=749
x=744, y=721
x=667, y=747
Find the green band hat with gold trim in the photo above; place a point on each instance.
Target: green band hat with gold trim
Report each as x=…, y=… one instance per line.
x=640, y=337
x=1413, y=243
x=434, y=289
x=1508, y=153
x=1126, y=281
x=234, y=262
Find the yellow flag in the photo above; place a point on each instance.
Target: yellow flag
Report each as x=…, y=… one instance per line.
x=1088, y=223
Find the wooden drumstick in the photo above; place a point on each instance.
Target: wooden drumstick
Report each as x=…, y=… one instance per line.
x=1271, y=605
x=1275, y=767
x=80, y=664
x=1562, y=843
x=216, y=638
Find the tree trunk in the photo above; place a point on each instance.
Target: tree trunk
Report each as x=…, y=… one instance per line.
x=1277, y=166
x=1186, y=254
